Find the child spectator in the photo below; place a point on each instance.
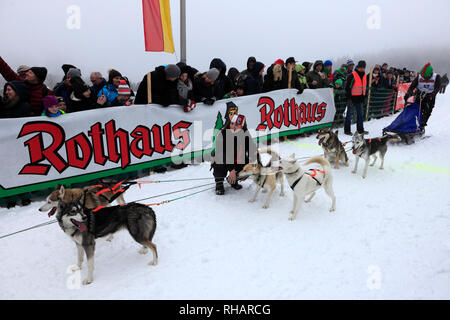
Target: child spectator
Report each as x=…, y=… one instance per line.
x=51, y=108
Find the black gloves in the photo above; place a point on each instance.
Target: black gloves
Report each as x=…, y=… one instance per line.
x=300, y=91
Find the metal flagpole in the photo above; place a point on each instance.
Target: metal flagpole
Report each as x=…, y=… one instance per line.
x=183, y=30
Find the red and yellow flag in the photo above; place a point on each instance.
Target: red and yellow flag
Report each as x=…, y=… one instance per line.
x=157, y=25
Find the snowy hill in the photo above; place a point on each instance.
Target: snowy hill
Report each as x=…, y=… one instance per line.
x=388, y=238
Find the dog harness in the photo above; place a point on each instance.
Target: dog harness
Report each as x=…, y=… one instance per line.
x=312, y=175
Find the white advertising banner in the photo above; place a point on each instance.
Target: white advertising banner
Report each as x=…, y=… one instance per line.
x=96, y=143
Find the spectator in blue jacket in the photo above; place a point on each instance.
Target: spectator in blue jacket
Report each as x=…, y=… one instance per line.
x=108, y=94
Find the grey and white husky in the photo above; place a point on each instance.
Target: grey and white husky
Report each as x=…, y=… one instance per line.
x=84, y=226
x=366, y=148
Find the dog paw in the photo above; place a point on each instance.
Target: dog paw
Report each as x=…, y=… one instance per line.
x=353, y=171
x=291, y=218
x=143, y=251
x=251, y=200
x=87, y=281
x=332, y=209
x=363, y=177
x=75, y=268
x=265, y=206
x=153, y=263
x=381, y=168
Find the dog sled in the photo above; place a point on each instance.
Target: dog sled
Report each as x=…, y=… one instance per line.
x=406, y=126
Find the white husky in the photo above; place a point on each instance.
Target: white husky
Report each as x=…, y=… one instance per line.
x=308, y=182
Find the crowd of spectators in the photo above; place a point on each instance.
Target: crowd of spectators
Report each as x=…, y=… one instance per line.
x=25, y=93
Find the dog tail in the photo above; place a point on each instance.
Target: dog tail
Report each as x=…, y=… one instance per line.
x=322, y=161
x=274, y=155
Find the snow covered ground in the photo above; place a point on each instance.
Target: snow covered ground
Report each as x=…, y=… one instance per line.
x=388, y=239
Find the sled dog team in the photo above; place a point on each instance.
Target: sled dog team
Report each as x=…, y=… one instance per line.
x=84, y=214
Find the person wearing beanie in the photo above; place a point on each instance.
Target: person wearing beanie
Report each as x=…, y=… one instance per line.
x=15, y=101
x=124, y=91
x=51, y=108
x=338, y=84
x=279, y=62
x=81, y=97
x=73, y=72
x=172, y=72
x=341, y=74
x=62, y=104
x=350, y=65
x=234, y=148
x=212, y=74
x=204, y=87
x=163, y=86
x=328, y=70
x=273, y=80
x=356, y=89
x=64, y=89
x=33, y=81
x=426, y=85
x=108, y=95
x=300, y=69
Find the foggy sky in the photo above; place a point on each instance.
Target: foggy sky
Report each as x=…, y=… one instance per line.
x=34, y=32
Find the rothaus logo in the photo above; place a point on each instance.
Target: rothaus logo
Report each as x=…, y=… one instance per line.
x=288, y=114
x=82, y=149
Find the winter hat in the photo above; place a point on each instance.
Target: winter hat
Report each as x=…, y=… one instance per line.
x=112, y=74
x=299, y=67
x=350, y=62
x=339, y=82
x=172, y=71
x=49, y=101
x=22, y=68
x=277, y=72
x=290, y=60
x=73, y=72
x=213, y=74
x=40, y=73
x=361, y=64
x=279, y=62
x=67, y=67
x=427, y=70
x=124, y=88
x=327, y=63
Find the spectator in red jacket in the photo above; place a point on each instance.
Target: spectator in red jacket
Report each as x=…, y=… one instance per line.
x=34, y=82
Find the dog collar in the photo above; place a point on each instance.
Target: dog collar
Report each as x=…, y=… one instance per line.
x=292, y=172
